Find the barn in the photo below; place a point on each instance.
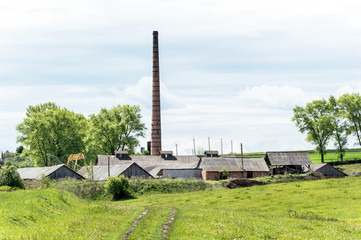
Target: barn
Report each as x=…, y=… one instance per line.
x=53, y=172
x=288, y=162
x=255, y=167
x=103, y=172
x=327, y=170
x=248, y=168
x=212, y=167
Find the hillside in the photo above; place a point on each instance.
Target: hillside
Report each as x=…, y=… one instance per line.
x=322, y=209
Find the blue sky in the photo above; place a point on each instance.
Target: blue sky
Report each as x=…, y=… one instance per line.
x=229, y=69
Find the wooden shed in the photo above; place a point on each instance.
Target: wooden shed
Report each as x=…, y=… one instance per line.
x=287, y=162
x=254, y=167
x=103, y=172
x=53, y=172
x=327, y=170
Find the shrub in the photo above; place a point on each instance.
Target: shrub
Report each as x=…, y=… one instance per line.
x=224, y=174
x=118, y=187
x=45, y=181
x=83, y=189
x=10, y=177
x=150, y=186
x=5, y=189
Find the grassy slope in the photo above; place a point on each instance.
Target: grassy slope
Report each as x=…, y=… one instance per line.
x=52, y=214
x=323, y=209
x=351, y=169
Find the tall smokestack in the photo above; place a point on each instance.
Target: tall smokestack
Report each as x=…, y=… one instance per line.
x=156, y=141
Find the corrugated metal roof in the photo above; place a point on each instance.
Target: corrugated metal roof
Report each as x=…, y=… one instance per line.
x=218, y=163
x=37, y=172
x=254, y=164
x=100, y=173
x=288, y=158
x=234, y=164
x=147, y=161
x=153, y=164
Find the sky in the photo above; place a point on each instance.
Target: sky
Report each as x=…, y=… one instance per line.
x=230, y=70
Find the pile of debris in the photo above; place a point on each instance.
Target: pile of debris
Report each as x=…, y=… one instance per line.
x=237, y=183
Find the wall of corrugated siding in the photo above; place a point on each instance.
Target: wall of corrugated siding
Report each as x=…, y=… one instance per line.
x=63, y=172
x=182, y=173
x=136, y=172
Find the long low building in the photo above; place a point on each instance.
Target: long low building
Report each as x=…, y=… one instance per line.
x=205, y=167
x=155, y=165
x=236, y=167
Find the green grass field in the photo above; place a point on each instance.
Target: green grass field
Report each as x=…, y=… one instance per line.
x=322, y=209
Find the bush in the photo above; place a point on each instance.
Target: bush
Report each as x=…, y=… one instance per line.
x=10, y=177
x=83, y=189
x=151, y=186
x=45, y=182
x=5, y=189
x=224, y=174
x=118, y=187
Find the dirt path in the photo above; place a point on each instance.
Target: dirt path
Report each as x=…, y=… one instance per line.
x=167, y=225
x=135, y=223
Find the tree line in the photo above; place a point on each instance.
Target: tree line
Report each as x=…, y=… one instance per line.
x=332, y=119
x=49, y=130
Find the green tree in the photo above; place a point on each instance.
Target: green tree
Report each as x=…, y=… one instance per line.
x=115, y=129
x=19, y=149
x=340, y=127
x=10, y=177
x=316, y=121
x=48, y=129
x=351, y=104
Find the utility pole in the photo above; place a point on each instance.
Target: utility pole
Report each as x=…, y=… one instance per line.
x=108, y=168
x=221, y=146
x=231, y=146
x=242, y=158
x=194, y=146
x=209, y=144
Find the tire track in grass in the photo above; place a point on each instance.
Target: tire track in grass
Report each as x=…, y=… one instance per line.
x=168, y=224
x=135, y=223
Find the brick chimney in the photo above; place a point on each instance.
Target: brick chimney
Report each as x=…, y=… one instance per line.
x=156, y=136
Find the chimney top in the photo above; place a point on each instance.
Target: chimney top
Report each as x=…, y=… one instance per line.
x=155, y=33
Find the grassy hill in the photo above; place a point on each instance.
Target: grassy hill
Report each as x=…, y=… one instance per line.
x=322, y=209
x=55, y=214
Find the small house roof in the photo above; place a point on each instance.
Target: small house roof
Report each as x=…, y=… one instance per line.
x=210, y=152
x=166, y=152
x=37, y=172
x=120, y=152
x=288, y=158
